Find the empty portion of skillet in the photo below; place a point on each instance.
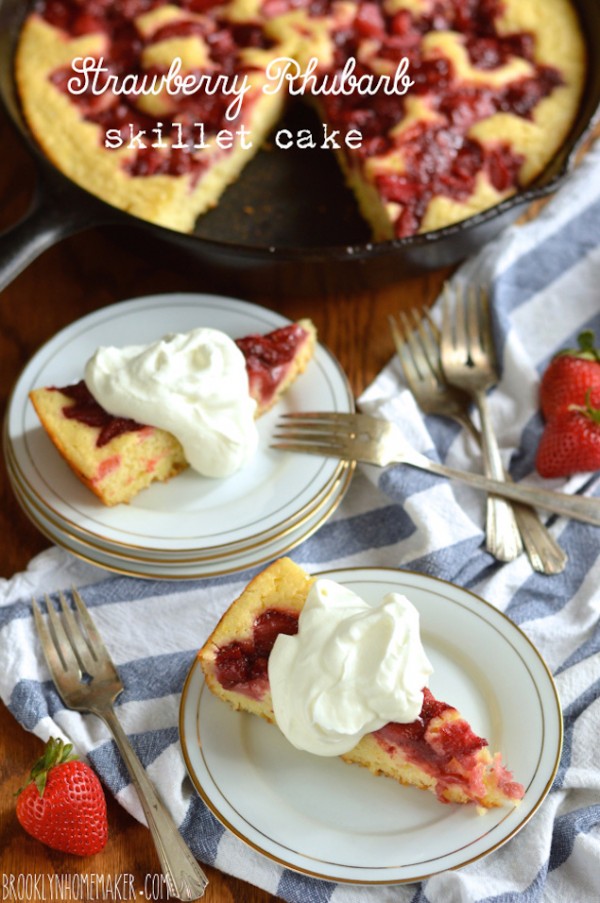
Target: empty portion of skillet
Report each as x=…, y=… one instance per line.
x=288, y=198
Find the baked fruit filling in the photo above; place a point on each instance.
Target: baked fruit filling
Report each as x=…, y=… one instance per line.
x=242, y=665
x=85, y=410
x=116, y=457
x=494, y=87
x=144, y=143
x=424, y=145
x=439, y=751
x=272, y=359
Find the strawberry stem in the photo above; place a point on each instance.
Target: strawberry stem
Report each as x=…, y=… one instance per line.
x=55, y=753
x=587, y=409
x=587, y=350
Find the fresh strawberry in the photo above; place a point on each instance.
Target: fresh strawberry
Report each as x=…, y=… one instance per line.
x=570, y=442
x=569, y=376
x=63, y=803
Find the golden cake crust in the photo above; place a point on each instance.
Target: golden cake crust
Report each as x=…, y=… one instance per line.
x=559, y=43
x=117, y=471
x=283, y=583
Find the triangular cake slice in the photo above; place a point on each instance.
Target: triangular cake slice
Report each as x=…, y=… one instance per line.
x=438, y=752
x=117, y=458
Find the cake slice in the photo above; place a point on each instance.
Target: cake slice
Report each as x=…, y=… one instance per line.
x=155, y=147
x=116, y=458
x=438, y=752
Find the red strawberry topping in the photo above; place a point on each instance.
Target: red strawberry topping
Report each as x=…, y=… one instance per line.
x=63, y=804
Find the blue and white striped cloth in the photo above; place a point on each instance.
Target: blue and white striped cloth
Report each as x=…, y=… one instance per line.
x=545, y=279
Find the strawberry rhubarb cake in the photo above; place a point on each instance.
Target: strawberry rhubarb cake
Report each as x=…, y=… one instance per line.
x=116, y=456
x=439, y=108
x=431, y=747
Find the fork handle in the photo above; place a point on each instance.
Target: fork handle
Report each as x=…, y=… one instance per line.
x=576, y=507
x=185, y=879
x=503, y=539
x=545, y=554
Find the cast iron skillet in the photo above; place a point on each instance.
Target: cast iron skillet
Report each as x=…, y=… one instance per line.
x=288, y=222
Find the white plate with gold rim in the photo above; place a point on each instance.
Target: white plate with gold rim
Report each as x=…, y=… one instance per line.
x=325, y=503
x=322, y=817
x=164, y=569
x=190, y=513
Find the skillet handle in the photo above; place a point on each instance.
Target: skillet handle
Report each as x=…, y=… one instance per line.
x=56, y=211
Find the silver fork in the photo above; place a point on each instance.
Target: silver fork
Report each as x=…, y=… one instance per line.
x=87, y=681
x=359, y=437
x=468, y=359
x=417, y=341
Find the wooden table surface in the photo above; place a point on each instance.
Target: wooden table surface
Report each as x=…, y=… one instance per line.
x=80, y=275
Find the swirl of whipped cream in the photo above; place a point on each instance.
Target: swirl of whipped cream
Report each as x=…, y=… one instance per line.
x=193, y=385
x=351, y=668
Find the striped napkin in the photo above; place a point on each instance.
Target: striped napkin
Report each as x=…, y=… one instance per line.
x=544, y=279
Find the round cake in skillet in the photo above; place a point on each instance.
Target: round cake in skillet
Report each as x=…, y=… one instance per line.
x=494, y=89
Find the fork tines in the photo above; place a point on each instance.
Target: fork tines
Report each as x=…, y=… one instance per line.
x=323, y=432
x=467, y=323
x=56, y=644
x=70, y=644
x=416, y=338
x=340, y=416
x=325, y=421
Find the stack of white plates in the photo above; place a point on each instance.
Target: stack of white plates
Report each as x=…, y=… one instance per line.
x=191, y=526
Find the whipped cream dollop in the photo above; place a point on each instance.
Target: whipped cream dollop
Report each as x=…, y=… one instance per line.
x=193, y=385
x=351, y=668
